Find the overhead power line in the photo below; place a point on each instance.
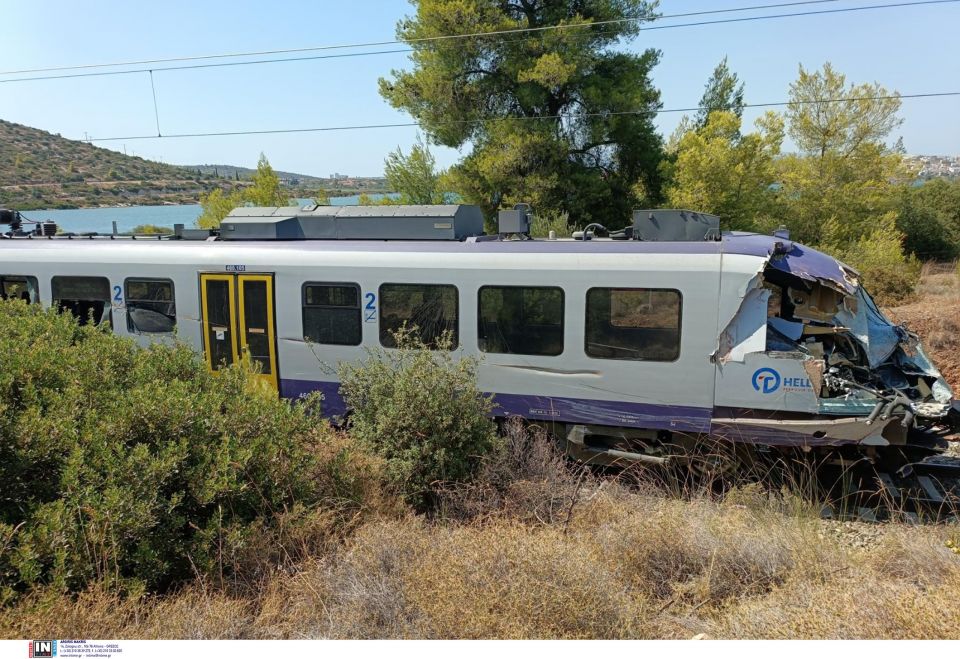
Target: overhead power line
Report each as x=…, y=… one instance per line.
x=517, y=118
x=436, y=39
x=371, y=44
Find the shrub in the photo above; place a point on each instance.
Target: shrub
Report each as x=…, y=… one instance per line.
x=421, y=411
x=137, y=468
x=546, y=221
x=527, y=477
x=150, y=229
x=887, y=273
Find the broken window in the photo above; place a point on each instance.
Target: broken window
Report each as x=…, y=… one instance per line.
x=521, y=320
x=633, y=323
x=87, y=298
x=429, y=310
x=13, y=287
x=151, y=306
x=331, y=314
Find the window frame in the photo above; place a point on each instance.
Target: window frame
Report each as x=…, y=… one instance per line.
x=126, y=302
x=304, y=307
x=381, y=315
x=106, y=318
x=586, y=321
x=562, y=324
x=54, y=278
x=28, y=280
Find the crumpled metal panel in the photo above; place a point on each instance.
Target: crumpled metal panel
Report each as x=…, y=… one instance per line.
x=795, y=259
x=747, y=330
x=811, y=265
x=876, y=334
x=941, y=390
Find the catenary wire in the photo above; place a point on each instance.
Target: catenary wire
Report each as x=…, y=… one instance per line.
x=408, y=50
x=370, y=44
x=516, y=118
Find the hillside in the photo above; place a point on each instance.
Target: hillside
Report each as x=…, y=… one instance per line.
x=335, y=185
x=44, y=170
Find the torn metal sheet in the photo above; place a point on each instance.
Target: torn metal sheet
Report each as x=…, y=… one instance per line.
x=878, y=335
x=815, y=369
x=941, y=390
x=746, y=332
x=810, y=265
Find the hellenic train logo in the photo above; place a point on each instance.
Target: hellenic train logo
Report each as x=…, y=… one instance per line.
x=766, y=380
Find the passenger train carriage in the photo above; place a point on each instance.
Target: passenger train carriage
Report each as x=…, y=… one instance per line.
x=669, y=329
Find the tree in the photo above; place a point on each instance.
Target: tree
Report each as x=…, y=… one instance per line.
x=929, y=217
x=216, y=205
x=844, y=173
x=321, y=198
x=823, y=126
x=717, y=170
x=841, y=192
x=265, y=191
x=556, y=118
x=414, y=176
x=878, y=256
x=721, y=93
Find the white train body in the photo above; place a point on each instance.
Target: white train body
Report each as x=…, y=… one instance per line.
x=727, y=379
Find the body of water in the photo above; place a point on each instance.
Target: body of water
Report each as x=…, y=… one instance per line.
x=81, y=220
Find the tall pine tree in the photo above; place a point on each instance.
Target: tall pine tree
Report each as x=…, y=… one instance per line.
x=556, y=117
x=722, y=93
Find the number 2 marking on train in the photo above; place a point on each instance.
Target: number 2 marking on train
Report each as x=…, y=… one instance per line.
x=370, y=314
x=117, y=296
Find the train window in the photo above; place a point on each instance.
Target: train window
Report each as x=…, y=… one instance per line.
x=521, y=320
x=429, y=310
x=331, y=314
x=87, y=298
x=151, y=306
x=13, y=287
x=633, y=323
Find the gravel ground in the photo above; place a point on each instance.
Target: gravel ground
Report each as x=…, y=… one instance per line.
x=855, y=535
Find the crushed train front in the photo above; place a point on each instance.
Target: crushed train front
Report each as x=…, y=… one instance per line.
x=808, y=358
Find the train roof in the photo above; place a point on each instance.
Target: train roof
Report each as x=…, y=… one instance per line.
x=782, y=254
x=407, y=231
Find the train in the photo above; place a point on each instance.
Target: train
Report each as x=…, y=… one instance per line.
x=634, y=345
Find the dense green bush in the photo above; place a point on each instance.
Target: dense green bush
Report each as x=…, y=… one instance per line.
x=137, y=468
x=421, y=411
x=888, y=274
x=929, y=217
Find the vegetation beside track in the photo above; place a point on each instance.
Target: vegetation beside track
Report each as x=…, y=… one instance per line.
x=143, y=498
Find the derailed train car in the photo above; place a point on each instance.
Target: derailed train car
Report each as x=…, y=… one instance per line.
x=634, y=347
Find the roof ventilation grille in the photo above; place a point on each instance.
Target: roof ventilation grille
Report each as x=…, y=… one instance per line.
x=675, y=225
x=441, y=222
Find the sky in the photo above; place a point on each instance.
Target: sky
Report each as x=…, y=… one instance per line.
x=907, y=49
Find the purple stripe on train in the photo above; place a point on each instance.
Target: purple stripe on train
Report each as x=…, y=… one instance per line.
x=566, y=410
x=598, y=412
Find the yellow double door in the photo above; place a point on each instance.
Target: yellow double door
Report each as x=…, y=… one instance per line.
x=239, y=322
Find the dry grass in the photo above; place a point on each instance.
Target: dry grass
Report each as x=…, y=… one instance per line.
x=625, y=565
x=934, y=314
